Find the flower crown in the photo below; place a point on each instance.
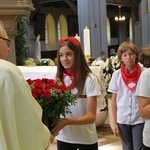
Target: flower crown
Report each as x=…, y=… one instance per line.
x=73, y=40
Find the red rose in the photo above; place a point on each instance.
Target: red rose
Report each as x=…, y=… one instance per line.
x=48, y=86
x=35, y=95
x=37, y=91
x=29, y=81
x=38, y=83
x=62, y=88
x=46, y=93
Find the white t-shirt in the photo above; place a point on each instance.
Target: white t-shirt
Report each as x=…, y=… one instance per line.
x=81, y=134
x=127, y=103
x=143, y=89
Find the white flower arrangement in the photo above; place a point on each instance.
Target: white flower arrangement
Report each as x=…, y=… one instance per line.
x=47, y=62
x=100, y=63
x=30, y=62
x=108, y=67
x=112, y=64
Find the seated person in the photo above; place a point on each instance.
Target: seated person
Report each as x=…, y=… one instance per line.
x=102, y=56
x=112, y=52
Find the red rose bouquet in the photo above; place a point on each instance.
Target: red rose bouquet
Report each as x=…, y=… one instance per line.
x=53, y=97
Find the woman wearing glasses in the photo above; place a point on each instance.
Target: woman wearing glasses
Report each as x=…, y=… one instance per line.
x=4, y=43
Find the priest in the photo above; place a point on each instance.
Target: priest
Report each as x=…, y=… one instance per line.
x=21, y=127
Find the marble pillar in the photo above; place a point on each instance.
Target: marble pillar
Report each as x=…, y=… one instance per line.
x=10, y=12
x=144, y=23
x=93, y=15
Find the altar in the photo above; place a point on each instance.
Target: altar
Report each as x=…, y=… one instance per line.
x=40, y=72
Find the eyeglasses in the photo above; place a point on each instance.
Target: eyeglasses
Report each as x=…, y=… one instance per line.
x=7, y=40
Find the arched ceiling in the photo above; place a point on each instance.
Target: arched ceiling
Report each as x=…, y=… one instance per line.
x=73, y=3
x=127, y=5
x=130, y=3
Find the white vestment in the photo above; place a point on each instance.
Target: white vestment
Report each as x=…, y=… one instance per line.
x=21, y=127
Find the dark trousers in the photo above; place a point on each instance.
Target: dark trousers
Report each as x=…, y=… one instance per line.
x=145, y=148
x=69, y=146
x=131, y=136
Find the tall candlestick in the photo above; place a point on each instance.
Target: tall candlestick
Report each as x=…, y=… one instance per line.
x=87, y=48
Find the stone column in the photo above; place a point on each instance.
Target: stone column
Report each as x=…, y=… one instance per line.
x=10, y=12
x=92, y=14
x=145, y=22
x=12, y=54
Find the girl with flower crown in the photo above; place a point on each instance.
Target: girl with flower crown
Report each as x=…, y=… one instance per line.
x=77, y=130
x=127, y=122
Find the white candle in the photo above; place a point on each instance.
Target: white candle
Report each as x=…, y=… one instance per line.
x=87, y=48
x=77, y=37
x=38, y=48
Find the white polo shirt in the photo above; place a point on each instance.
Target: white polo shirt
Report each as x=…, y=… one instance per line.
x=127, y=103
x=143, y=89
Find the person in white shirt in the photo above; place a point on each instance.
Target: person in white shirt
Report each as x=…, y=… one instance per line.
x=102, y=56
x=77, y=130
x=143, y=93
x=127, y=122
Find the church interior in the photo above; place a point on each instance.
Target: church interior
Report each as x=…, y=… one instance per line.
x=35, y=26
